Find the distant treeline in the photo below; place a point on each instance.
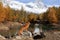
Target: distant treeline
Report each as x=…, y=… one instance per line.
x=7, y=14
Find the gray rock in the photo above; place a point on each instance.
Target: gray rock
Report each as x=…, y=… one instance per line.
x=3, y=27
x=2, y=38
x=25, y=36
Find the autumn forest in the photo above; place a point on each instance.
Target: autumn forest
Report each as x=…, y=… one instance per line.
x=7, y=14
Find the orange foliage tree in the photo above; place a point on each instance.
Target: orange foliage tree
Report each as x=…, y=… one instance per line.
x=52, y=17
x=3, y=13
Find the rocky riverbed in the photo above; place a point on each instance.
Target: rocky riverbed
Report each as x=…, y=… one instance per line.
x=49, y=36
x=25, y=36
x=11, y=28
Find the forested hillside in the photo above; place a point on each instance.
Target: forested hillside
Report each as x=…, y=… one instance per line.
x=7, y=14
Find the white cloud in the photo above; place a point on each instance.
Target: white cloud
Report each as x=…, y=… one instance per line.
x=34, y=7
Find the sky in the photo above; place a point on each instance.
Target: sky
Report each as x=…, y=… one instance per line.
x=46, y=2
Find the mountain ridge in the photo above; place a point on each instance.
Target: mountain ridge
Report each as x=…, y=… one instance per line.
x=28, y=7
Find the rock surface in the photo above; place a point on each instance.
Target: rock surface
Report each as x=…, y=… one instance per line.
x=3, y=27
x=49, y=36
x=25, y=36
